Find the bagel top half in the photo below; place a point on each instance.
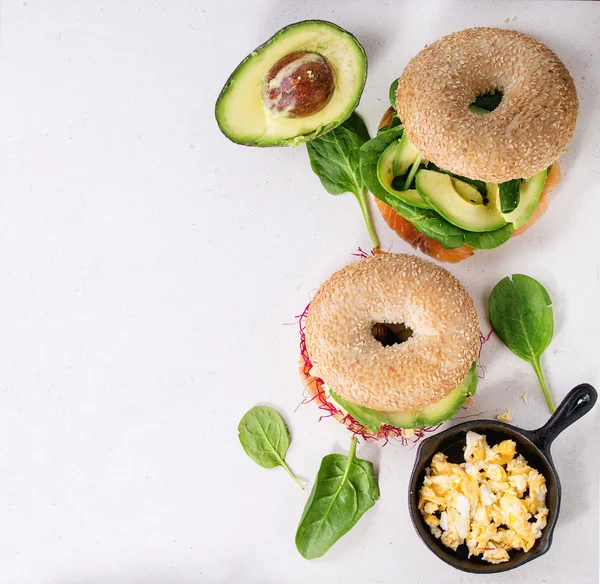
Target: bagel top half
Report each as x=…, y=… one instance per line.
x=392, y=288
x=525, y=134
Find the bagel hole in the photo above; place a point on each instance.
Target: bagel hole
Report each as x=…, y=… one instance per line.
x=389, y=334
x=488, y=101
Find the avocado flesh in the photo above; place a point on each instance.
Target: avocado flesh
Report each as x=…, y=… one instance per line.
x=439, y=190
x=431, y=415
x=396, y=160
x=529, y=197
x=241, y=113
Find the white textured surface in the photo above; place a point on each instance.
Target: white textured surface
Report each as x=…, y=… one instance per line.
x=149, y=273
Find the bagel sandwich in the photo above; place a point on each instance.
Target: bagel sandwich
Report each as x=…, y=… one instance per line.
x=389, y=346
x=466, y=154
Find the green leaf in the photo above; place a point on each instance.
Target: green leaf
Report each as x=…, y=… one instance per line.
x=489, y=101
x=335, y=159
x=521, y=315
x=509, y=192
x=369, y=157
x=393, y=124
x=392, y=93
x=265, y=439
x=345, y=488
x=489, y=239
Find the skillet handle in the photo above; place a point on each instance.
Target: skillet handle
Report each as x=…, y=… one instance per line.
x=579, y=401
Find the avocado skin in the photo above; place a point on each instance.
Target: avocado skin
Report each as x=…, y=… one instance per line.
x=301, y=138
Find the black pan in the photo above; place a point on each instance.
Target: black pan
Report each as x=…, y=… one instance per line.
x=534, y=445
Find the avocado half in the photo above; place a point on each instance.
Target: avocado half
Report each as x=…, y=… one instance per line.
x=241, y=112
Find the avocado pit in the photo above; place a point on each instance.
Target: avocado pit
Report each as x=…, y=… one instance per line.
x=298, y=85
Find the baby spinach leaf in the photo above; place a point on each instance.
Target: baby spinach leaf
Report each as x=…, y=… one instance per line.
x=345, y=488
x=489, y=239
x=369, y=158
x=394, y=123
x=265, y=439
x=521, y=314
x=510, y=196
x=335, y=159
x=488, y=101
x=392, y=93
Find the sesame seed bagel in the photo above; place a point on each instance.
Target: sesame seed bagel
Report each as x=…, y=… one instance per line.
x=524, y=135
x=392, y=288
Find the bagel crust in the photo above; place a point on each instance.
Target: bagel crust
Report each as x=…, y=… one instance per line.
x=392, y=288
x=525, y=134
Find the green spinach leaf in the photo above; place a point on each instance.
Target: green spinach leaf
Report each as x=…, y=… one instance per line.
x=345, y=488
x=369, y=157
x=393, y=124
x=521, y=315
x=392, y=93
x=488, y=101
x=265, y=439
x=510, y=196
x=489, y=239
x=335, y=159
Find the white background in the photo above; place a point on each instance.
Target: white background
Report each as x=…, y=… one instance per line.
x=151, y=271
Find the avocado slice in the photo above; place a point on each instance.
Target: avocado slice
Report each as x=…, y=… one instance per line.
x=529, y=197
x=247, y=115
x=432, y=415
x=395, y=161
x=458, y=202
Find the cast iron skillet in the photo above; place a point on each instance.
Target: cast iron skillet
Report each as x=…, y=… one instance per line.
x=534, y=445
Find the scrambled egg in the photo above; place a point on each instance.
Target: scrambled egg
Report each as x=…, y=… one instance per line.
x=494, y=501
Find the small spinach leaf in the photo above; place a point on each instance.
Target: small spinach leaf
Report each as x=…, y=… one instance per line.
x=488, y=101
x=394, y=123
x=392, y=93
x=489, y=239
x=521, y=314
x=335, y=159
x=369, y=158
x=345, y=488
x=265, y=439
x=510, y=196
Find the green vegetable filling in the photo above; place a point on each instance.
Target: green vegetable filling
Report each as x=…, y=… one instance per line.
x=450, y=212
x=431, y=415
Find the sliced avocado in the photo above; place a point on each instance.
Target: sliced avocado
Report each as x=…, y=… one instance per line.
x=529, y=197
x=478, y=111
x=429, y=416
x=395, y=161
x=438, y=412
x=459, y=206
x=247, y=110
x=368, y=418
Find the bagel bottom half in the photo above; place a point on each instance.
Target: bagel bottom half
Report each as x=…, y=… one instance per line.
x=389, y=346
